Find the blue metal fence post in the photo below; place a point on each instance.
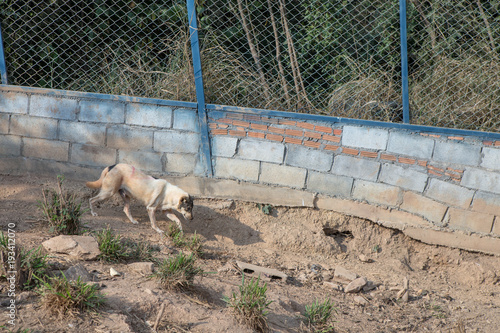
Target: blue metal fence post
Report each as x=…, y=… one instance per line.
x=3, y=66
x=200, y=93
x=404, y=61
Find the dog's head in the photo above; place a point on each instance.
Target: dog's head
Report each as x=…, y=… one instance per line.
x=185, y=206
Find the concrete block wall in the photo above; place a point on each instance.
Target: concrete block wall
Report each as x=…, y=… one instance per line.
x=434, y=187
x=452, y=184
x=52, y=132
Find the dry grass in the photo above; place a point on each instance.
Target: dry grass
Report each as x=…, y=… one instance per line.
x=61, y=297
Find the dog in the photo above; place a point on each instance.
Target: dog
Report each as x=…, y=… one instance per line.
x=155, y=194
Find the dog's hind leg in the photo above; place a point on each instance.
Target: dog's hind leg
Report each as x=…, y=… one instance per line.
x=152, y=218
x=126, y=207
x=173, y=217
x=103, y=195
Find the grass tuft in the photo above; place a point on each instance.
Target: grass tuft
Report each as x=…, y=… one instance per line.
x=192, y=244
x=62, y=298
x=178, y=272
x=318, y=316
x=27, y=263
x=250, y=305
x=116, y=249
x=61, y=210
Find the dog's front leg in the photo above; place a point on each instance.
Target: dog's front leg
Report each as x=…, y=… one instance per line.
x=152, y=218
x=126, y=208
x=172, y=217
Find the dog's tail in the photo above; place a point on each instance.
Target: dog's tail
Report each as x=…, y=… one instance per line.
x=98, y=183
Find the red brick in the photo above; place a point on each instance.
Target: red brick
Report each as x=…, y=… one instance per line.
x=324, y=129
x=269, y=120
x=276, y=130
x=225, y=121
x=407, y=160
x=455, y=170
x=294, y=132
x=241, y=123
x=223, y=125
x=488, y=143
x=388, y=157
x=337, y=131
x=331, y=147
x=305, y=125
x=452, y=175
x=497, y=143
x=350, y=151
x=434, y=173
x=331, y=138
x=251, y=117
x=312, y=144
x=212, y=125
x=460, y=138
x=313, y=135
x=274, y=137
x=259, y=127
x=287, y=122
x=371, y=154
x=237, y=133
x=259, y=135
x=219, y=132
x=293, y=140
x=435, y=136
x=234, y=115
x=422, y=162
x=435, y=168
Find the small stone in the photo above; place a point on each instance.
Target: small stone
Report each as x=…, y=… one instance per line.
x=370, y=285
x=355, y=285
x=78, y=272
x=113, y=272
x=79, y=247
x=334, y=286
x=360, y=300
x=342, y=273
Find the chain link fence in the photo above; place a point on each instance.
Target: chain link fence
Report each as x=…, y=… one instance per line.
x=137, y=48
x=339, y=58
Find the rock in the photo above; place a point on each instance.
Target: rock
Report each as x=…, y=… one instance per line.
x=78, y=271
x=143, y=268
x=355, y=285
x=370, y=285
x=360, y=300
x=342, y=273
x=334, y=286
x=266, y=272
x=78, y=247
x=113, y=272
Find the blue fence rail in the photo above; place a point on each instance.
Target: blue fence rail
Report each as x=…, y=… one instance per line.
x=419, y=64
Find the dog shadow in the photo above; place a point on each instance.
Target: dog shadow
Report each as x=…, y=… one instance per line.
x=216, y=226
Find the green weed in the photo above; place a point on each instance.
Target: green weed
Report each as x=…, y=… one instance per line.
x=250, y=304
x=178, y=272
x=318, y=316
x=61, y=210
x=27, y=263
x=68, y=298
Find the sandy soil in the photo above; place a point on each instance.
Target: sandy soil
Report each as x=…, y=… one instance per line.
x=449, y=290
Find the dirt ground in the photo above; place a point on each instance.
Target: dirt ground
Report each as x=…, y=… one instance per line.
x=449, y=290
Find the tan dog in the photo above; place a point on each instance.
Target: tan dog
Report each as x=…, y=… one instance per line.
x=154, y=193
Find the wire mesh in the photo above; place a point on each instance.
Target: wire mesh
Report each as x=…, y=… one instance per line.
x=138, y=48
x=339, y=58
